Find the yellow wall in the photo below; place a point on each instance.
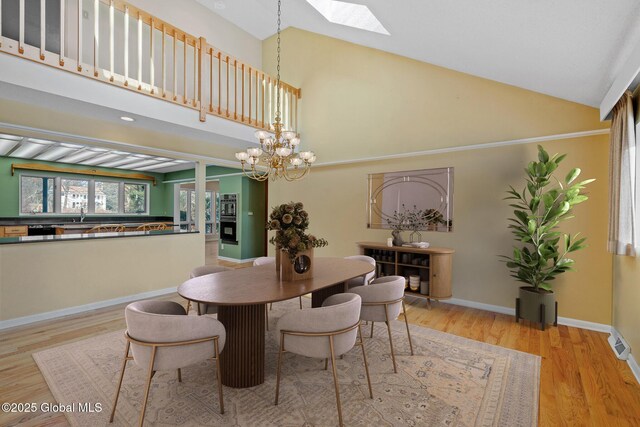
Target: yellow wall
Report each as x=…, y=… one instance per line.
x=360, y=102
x=41, y=277
x=626, y=300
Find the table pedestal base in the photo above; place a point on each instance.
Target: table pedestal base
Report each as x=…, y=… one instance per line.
x=318, y=297
x=242, y=359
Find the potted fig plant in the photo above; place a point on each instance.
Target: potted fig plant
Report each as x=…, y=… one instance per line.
x=541, y=251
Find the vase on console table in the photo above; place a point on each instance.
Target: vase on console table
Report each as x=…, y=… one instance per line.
x=397, y=238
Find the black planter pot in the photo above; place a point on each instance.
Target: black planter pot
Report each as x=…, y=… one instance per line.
x=537, y=306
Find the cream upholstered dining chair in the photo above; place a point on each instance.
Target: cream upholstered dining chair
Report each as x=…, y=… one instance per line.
x=381, y=302
x=203, y=270
x=161, y=337
x=325, y=332
x=367, y=278
x=264, y=260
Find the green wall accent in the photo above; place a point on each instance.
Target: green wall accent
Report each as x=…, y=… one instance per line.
x=251, y=198
x=253, y=226
x=188, y=174
x=9, y=186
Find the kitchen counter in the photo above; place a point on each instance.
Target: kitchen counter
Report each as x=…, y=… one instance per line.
x=80, y=236
x=83, y=227
x=88, y=225
x=45, y=220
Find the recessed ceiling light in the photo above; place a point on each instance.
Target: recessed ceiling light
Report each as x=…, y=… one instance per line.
x=127, y=119
x=66, y=144
x=157, y=166
x=55, y=153
x=349, y=14
x=41, y=141
x=7, y=145
x=78, y=156
x=28, y=149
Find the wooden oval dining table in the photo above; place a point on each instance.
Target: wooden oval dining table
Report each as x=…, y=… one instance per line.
x=242, y=296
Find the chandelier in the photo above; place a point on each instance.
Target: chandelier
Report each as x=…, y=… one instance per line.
x=277, y=151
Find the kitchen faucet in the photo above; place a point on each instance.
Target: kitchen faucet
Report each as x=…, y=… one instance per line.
x=81, y=214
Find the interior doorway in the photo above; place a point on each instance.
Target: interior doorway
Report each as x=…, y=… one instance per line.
x=185, y=213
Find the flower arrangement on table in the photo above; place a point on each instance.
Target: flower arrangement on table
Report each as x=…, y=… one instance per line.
x=290, y=221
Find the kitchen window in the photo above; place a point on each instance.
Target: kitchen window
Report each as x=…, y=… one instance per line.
x=37, y=194
x=70, y=196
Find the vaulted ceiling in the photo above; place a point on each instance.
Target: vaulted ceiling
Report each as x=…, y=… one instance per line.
x=571, y=49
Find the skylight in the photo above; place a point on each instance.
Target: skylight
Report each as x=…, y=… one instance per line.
x=349, y=14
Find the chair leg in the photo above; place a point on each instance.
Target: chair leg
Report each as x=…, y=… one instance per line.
x=271, y=306
x=198, y=306
x=218, y=374
x=300, y=298
x=326, y=364
x=179, y=375
x=146, y=393
x=266, y=316
x=279, y=364
x=188, y=305
x=335, y=380
x=364, y=357
x=124, y=365
x=393, y=356
x=371, y=330
x=406, y=323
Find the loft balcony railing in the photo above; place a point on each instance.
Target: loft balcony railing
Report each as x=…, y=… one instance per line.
x=119, y=44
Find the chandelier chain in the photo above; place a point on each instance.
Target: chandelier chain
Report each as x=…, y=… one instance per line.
x=278, y=63
x=277, y=157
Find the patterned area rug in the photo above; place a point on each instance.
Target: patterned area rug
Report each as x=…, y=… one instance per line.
x=450, y=381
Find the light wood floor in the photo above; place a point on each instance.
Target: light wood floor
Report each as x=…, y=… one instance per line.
x=582, y=383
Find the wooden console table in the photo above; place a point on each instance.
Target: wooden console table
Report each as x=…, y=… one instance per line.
x=432, y=264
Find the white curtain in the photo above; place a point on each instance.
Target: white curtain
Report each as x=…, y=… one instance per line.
x=622, y=179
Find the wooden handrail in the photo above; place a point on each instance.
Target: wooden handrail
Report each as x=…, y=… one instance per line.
x=245, y=97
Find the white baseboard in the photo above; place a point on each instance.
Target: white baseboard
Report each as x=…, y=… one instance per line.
x=599, y=327
x=583, y=324
x=237, y=261
x=25, y=320
x=634, y=367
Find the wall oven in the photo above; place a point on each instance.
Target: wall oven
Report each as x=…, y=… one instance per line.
x=228, y=218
